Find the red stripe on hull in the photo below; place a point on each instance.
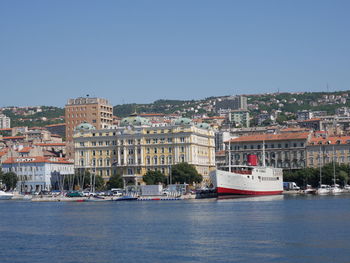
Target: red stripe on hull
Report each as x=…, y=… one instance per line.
x=225, y=191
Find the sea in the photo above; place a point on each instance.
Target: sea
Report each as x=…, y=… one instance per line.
x=252, y=229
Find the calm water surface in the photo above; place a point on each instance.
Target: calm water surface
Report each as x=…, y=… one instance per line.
x=265, y=229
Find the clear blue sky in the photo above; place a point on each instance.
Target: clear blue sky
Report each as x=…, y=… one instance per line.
x=141, y=51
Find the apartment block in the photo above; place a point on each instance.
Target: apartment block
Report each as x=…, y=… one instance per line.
x=96, y=111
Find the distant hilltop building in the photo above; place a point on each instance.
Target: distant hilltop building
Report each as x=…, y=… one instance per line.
x=5, y=122
x=232, y=103
x=96, y=111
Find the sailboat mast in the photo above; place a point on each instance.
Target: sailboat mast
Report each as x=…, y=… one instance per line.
x=263, y=154
x=229, y=155
x=333, y=165
x=320, y=163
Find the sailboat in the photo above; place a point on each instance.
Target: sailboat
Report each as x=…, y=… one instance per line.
x=335, y=188
x=323, y=189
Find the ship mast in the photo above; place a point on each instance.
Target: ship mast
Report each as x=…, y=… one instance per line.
x=263, y=155
x=229, y=155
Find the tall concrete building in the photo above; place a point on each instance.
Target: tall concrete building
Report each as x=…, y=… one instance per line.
x=96, y=111
x=232, y=103
x=5, y=122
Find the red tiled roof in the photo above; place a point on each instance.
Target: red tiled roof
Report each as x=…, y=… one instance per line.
x=54, y=125
x=311, y=120
x=152, y=114
x=330, y=140
x=25, y=150
x=3, y=152
x=51, y=144
x=272, y=137
x=220, y=153
x=6, y=129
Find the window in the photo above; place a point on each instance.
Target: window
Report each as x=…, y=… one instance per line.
x=155, y=150
x=81, y=143
x=93, y=143
x=81, y=153
x=155, y=160
x=131, y=151
x=170, y=140
x=93, y=153
x=182, y=139
x=162, y=150
x=182, y=149
x=148, y=141
x=162, y=160
x=148, y=150
x=148, y=160
x=170, y=150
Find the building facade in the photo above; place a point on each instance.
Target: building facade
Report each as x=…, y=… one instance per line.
x=240, y=118
x=233, y=103
x=285, y=150
x=137, y=147
x=37, y=173
x=325, y=150
x=96, y=111
x=5, y=122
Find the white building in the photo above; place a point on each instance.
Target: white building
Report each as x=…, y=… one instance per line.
x=5, y=122
x=38, y=173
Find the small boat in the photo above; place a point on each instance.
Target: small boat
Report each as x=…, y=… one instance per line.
x=335, y=189
x=323, y=190
x=125, y=198
x=309, y=190
x=5, y=196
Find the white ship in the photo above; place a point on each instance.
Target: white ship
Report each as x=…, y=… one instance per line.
x=248, y=180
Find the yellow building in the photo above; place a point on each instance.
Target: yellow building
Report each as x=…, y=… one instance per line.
x=137, y=146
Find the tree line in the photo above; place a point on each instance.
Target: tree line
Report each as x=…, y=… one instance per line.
x=311, y=176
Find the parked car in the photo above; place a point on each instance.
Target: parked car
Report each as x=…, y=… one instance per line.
x=74, y=194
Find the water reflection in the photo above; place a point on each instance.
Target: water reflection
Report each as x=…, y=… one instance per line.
x=254, y=229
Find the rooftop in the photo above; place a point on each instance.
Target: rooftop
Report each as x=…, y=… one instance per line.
x=272, y=137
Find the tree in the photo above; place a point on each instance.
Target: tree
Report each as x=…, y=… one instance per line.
x=154, y=177
x=99, y=183
x=185, y=173
x=115, y=181
x=9, y=179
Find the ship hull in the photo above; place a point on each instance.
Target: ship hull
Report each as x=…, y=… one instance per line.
x=260, y=181
x=230, y=191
